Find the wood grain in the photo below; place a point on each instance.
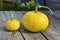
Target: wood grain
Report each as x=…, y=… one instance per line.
x=51, y=33
x=27, y=35
x=53, y=30
x=3, y=32
x=7, y=34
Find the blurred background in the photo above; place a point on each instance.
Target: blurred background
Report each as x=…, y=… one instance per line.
x=15, y=4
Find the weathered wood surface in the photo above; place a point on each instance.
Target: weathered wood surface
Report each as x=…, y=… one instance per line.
x=51, y=33
x=27, y=35
x=4, y=34
x=57, y=14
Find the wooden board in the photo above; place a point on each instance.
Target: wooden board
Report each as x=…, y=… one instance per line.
x=3, y=32
x=27, y=35
x=57, y=15
x=53, y=30
x=12, y=36
x=56, y=6
x=51, y=33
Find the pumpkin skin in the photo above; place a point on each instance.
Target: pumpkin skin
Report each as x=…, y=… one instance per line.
x=12, y=25
x=35, y=22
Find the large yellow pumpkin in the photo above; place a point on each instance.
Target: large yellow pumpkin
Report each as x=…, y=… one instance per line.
x=35, y=21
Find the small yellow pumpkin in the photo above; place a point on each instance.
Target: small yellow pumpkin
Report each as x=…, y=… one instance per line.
x=12, y=24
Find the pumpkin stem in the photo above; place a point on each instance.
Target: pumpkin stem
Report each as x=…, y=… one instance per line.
x=11, y=15
x=39, y=6
x=47, y=8
x=36, y=9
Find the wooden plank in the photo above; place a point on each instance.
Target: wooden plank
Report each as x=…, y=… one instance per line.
x=2, y=19
x=53, y=30
x=56, y=6
x=13, y=36
x=7, y=14
x=57, y=14
x=3, y=32
x=27, y=35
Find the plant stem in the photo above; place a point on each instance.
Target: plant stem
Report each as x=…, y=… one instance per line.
x=47, y=8
x=39, y=6
x=11, y=15
x=36, y=9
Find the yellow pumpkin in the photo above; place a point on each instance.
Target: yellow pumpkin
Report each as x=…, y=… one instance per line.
x=35, y=21
x=12, y=25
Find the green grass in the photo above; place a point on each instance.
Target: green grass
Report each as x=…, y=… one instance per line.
x=8, y=6
x=11, y=6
